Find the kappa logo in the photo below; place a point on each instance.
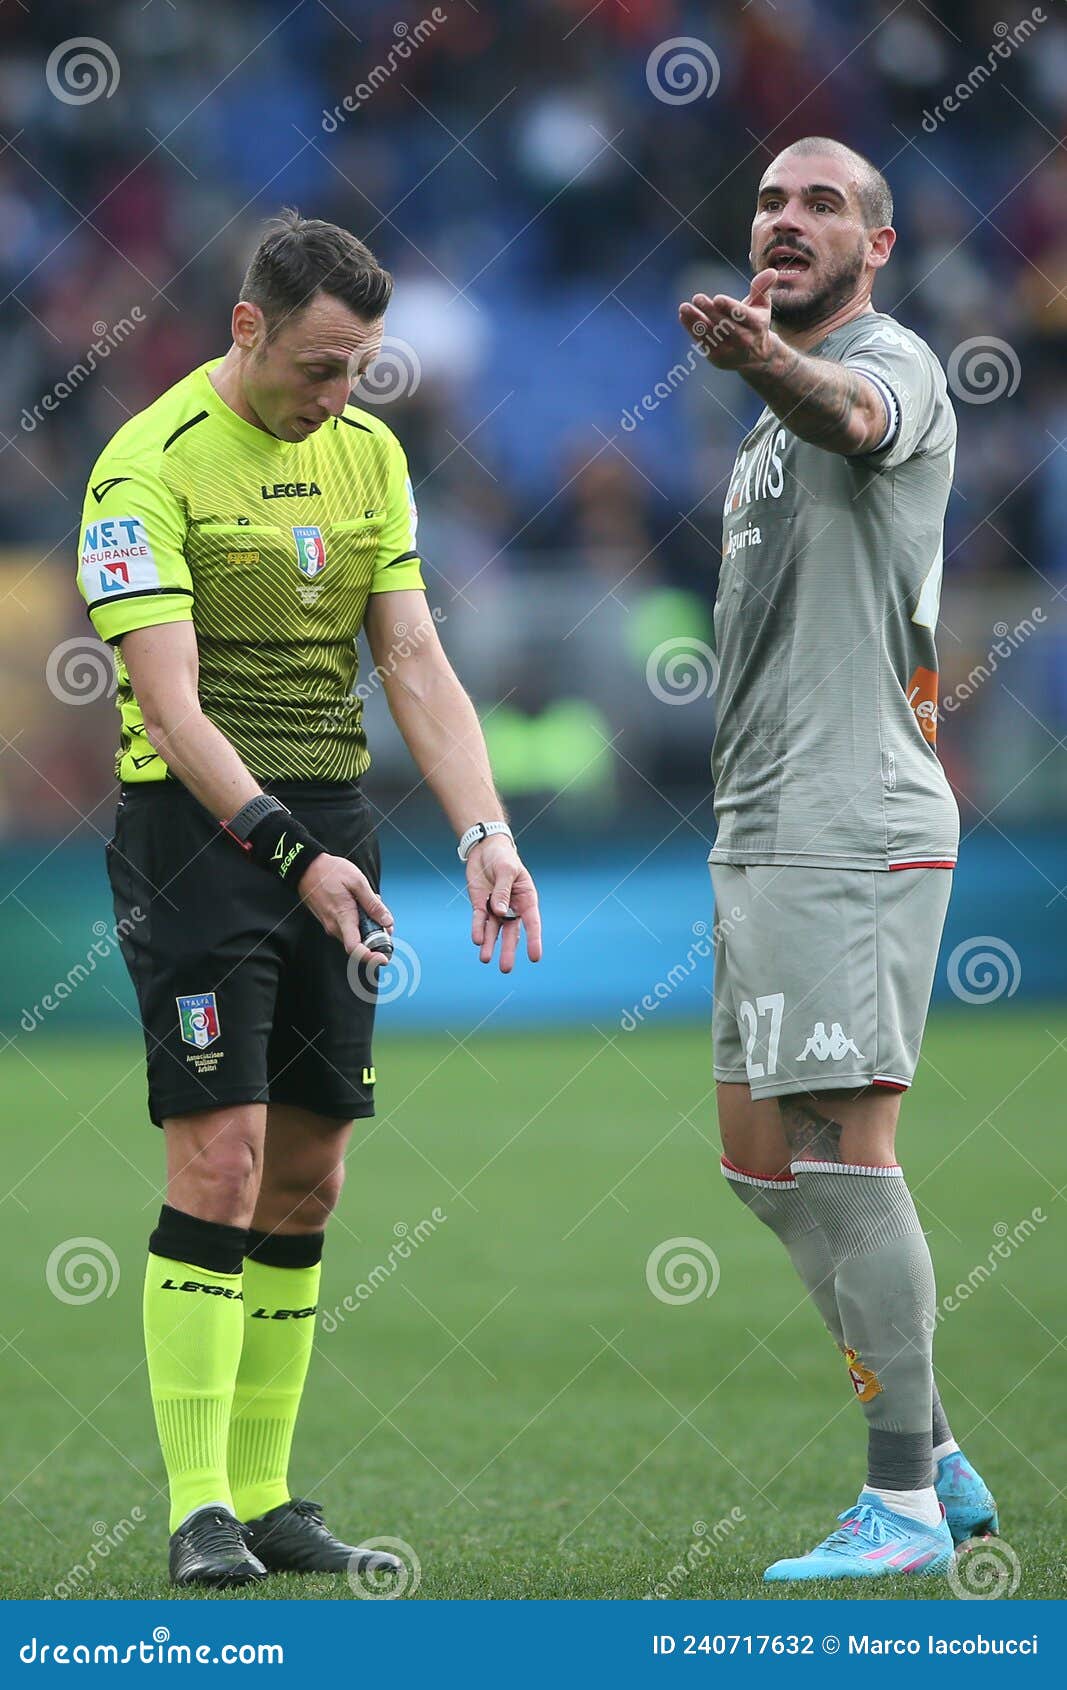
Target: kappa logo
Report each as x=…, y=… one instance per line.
x=829, y=1046
x=886, y=336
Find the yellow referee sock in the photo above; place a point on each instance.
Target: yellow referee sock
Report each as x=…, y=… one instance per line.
x=193, y=1325
x=281, y=1285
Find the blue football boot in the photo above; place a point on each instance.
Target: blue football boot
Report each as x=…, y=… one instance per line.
x=871, y=1542
x=970, y=1510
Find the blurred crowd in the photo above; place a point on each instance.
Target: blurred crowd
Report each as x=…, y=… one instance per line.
x=544, y=195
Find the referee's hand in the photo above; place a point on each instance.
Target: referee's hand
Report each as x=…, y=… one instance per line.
x=334, y=891
x=498, y=881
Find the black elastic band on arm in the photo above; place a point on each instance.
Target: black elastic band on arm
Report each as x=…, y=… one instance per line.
x=144, y=593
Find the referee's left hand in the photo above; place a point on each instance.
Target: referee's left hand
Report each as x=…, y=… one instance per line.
x=497, y=880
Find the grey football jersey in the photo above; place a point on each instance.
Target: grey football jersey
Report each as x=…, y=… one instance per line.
x=824, y=628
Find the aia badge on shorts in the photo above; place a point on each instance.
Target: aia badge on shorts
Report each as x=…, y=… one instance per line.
x=310, y=551
x=198, y=1017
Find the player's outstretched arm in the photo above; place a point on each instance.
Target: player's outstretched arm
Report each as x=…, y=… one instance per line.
x=822, y=402
x=164, y=671
x=443, y=734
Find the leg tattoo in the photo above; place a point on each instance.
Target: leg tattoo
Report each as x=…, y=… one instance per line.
x=811, y=1137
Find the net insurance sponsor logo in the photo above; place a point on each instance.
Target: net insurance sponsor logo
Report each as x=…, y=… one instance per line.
x=310, y=551
x=116, y=557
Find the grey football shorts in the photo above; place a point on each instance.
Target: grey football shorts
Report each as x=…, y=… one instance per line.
x=823, y=975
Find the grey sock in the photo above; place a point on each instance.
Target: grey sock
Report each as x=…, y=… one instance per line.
x=884, y=1283
x=942, y=1429
x=778, y=1203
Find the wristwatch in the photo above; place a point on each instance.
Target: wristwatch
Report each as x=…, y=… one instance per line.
x=474, y=836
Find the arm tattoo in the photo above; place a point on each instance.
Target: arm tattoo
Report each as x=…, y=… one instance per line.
x=811, y=1137
x=823, y=402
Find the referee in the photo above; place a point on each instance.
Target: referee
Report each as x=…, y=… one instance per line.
x=237, y=535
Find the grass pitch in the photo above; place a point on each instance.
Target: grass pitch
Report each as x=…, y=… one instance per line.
x=509, y=1397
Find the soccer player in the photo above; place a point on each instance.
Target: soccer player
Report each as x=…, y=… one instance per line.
x=837, y=831
x=237, y=536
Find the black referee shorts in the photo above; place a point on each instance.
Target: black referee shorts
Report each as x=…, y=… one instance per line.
x=244, y=997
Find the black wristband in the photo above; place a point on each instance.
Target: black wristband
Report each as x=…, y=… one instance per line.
x=283, y=846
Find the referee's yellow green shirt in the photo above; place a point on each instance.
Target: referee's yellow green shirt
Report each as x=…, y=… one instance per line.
x=271, y=549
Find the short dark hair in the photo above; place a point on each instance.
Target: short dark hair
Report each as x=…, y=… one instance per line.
x=872, y=189
x=298, y=257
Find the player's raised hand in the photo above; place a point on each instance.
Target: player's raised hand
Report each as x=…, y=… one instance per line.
x=335, y=891
x=503, y=898
x=733, y=334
